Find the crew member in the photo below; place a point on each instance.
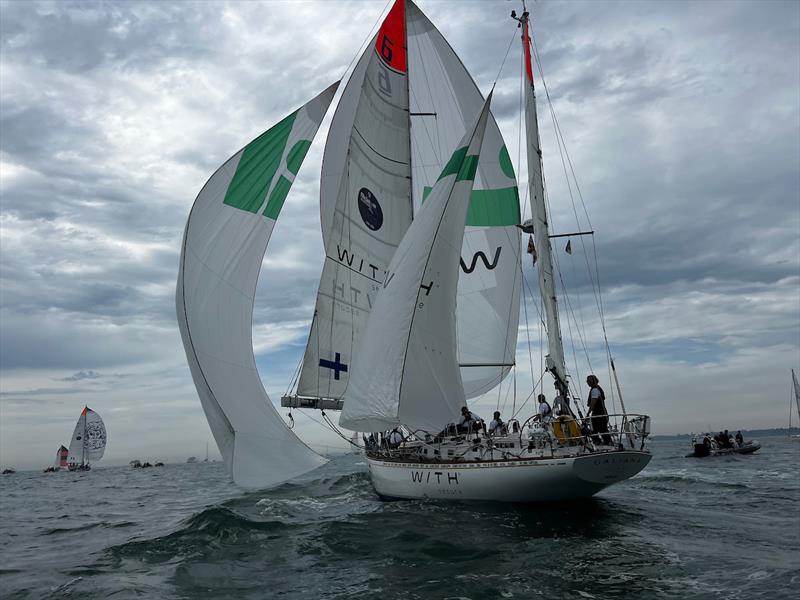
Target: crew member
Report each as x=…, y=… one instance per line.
x=497, y=426
x=597, y=410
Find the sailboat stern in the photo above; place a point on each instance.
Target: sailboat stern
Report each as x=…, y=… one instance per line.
x=610, y=467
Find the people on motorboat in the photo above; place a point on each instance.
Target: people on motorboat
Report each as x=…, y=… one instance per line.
x=497, y=426
x=470, y=421
x=739, y=438
x=597, y=413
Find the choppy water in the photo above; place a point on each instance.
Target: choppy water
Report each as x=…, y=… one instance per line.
x=723, y=527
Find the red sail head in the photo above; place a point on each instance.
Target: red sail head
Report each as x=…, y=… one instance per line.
x=391, y=42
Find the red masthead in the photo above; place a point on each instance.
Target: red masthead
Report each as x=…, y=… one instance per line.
x=391, y=42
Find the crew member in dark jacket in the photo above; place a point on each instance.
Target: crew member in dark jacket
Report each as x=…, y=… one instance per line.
x=597, y=410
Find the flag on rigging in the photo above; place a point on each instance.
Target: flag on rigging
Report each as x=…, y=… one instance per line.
x=568, y=249
x=532, y=249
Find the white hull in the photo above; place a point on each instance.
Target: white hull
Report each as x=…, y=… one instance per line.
x=537, y=480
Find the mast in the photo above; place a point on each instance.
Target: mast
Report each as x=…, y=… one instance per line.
x=83, y=439
x=541, y=231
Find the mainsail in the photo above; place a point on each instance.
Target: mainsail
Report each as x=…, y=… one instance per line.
x=407, y=103
x=88, y=441
x=406, y=371
x=365, y=204
x=541, y=232
x=223, y=246
x=796, y=395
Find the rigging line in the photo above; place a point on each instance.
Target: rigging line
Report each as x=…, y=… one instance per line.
x=533, y=391
x=559, y=136
x=500, y=72
x=363, y=45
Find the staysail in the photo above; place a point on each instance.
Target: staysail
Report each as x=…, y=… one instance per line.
x=88, y=441
x=365, y=204
x=406, y=371
x=407, y=103
x=541, y=233
x=444, y=100
x=223, y=246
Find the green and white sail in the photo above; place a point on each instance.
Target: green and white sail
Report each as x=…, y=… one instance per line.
x=444, y=101
x=406, y=371
x=224, y=243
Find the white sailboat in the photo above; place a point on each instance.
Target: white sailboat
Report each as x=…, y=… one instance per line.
x=796, y=393
x=418, y=304
x=88, y=442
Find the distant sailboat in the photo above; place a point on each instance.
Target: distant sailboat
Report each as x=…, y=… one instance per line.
x=88, y=441
x=796, y=394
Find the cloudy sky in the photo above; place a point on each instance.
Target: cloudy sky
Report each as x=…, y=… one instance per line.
x=682, y=121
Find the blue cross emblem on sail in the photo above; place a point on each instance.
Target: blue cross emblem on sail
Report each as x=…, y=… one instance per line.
x=336, y=365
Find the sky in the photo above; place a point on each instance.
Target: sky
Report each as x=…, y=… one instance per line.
x=681, y=120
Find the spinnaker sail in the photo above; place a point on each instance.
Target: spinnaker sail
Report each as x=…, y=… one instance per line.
x=61, y=458
x=88, y=443
x=407, y=371
x=226, y=237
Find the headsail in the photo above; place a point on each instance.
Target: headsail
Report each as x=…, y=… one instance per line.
x=444, y=100
x=796, y=393
x=365, y=203
x=89, y=437
x=224, y=244
x=407, y=103
x=406, y=371
x=61, y=458
x=541, y=231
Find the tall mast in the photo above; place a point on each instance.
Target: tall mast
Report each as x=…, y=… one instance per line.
x=83, y=439
x=541, y=231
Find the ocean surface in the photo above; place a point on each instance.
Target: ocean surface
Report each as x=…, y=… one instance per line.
x=721, y=527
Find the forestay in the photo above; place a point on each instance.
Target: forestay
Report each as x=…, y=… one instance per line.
x=224, y=244
x=406, y=371
x=444, y=100
x=365, y=203
x=541, y=231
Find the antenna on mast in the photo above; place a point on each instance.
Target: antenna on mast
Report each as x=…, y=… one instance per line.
x=522, y=18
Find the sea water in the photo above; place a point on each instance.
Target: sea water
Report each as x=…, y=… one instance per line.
x=718, y=527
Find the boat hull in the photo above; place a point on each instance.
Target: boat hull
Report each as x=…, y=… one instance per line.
x=536, y=480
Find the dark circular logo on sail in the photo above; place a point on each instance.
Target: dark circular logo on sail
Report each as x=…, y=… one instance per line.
x=370, y=210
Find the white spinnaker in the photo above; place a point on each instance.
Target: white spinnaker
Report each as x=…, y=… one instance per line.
x=444, y=100
x=365, y=204
x=406, y=371
x=89, y=437
x=541, y=232
x=224, y=244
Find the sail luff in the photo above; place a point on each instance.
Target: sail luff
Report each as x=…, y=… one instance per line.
x=541, y=230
